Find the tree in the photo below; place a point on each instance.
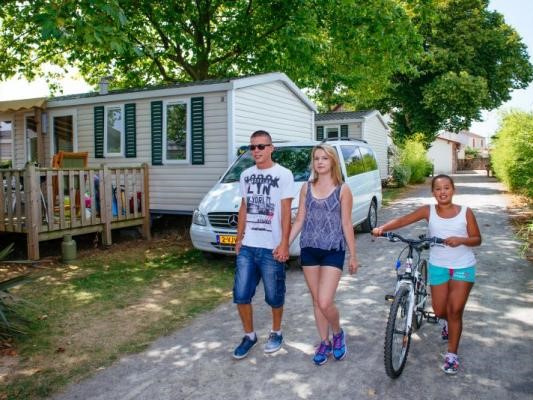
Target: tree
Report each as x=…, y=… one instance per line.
x=342, y=51
x=472, y=60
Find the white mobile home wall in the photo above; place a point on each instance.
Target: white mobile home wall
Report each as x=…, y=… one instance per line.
x=274, y=108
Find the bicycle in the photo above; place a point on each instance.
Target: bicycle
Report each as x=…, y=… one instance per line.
x=408, y=302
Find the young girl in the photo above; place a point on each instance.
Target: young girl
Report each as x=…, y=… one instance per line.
x=324, y=218
x=452, y=268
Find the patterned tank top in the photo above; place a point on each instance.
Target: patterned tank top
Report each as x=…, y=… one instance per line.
x=322, y=226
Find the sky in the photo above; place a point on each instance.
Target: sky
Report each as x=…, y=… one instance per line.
x=517, y=13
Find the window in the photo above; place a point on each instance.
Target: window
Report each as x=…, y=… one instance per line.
x=295, y=158
x=353, y=160
x=114, y=131
x=369, y=159
x=6, y=149
x=30, y=132
x=62, y=133
x=332, y=132
x=175, y=134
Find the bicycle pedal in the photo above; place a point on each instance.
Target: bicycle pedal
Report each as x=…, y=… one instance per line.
x=431, y=318
x=389, y=297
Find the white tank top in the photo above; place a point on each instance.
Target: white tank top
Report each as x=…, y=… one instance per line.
x=449, y=257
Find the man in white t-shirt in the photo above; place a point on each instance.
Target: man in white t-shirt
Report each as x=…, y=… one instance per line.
x=262, y=246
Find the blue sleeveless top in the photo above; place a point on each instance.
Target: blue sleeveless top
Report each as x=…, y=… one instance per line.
x=322, y=226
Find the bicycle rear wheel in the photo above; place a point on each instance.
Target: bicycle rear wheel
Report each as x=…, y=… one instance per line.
x=397, y=335
x=421, y=295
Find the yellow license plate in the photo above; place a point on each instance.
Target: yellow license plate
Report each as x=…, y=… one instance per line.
x=227, y=239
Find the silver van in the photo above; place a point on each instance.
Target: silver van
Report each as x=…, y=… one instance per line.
x=214, y=222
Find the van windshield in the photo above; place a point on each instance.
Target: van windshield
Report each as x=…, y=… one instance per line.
x=295, y=158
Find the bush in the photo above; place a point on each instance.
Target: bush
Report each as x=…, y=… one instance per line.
x=414, y=155
x=11, y=322
x=401, y=174
x=512, y=153
x=472, y=153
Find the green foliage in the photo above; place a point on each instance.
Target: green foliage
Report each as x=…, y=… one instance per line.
x=5, y=164
x=472, y=60
x=472, y=153
x=414, y=156
x=401, y=174
x=342, y=51
x=512, y=153
x=12, y=323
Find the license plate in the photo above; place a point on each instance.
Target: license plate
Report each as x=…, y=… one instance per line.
x=227, y=239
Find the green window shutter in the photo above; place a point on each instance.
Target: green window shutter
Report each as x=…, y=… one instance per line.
x=130, y=130
x=344, y=131
x=319, y=133
x=197, y=130
x=157, y=132
x=99, y=132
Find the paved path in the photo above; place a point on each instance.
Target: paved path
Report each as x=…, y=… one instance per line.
x=496, y=349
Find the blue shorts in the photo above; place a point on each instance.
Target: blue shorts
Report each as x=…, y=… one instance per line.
x=254, y=264
x=311, y=256
x=440, y=275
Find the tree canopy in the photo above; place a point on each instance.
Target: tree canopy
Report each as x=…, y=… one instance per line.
x=434, y=64
x=472, y=60
x=339, y=50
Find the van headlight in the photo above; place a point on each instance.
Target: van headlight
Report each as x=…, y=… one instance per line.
x=198, y=218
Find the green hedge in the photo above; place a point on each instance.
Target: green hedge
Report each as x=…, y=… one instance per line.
x=512, y=152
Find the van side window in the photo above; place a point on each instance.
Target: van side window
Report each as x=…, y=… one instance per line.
x=369, y=159
x=353, y=160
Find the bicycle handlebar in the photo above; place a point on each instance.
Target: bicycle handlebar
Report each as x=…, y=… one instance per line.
x=393, y=237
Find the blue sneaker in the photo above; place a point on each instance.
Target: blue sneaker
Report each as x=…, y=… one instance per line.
x=244, y=348
x=322, y=353
x=451, y=364
x=273, y=343
x=339, y=346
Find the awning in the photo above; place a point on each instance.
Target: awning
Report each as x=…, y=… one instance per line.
x=24, y=104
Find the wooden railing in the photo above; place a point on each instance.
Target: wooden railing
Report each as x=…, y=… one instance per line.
x=47, y=203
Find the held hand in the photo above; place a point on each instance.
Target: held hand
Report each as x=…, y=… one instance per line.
x=281, y=253
x=453, y=241
x=378, y=231
x=353, y=265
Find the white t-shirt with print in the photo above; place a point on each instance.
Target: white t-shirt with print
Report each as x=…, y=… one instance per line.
x=263, y=190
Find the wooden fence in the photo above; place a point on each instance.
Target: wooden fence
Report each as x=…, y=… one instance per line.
x=46, y=203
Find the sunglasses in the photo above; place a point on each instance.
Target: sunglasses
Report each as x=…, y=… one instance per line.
x=259, y=146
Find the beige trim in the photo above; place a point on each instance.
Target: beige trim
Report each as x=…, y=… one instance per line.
x=24, y=104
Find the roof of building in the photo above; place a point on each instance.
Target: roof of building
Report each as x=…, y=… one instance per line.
x=196, y=87
x=343, y=115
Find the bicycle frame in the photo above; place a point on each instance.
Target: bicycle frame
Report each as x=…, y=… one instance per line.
x=410, y=287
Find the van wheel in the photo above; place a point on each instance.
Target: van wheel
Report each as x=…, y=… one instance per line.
x=371, y=220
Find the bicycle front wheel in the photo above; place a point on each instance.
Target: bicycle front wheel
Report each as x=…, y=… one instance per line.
x=397, y=334
x=421, y=295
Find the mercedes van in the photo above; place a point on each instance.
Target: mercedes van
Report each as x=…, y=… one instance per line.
x=214, y=222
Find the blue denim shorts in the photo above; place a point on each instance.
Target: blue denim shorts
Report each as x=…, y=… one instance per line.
x=439, y=275
x=311, y=256
x=254, y=264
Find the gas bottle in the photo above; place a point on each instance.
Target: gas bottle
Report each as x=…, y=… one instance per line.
x=68, y=249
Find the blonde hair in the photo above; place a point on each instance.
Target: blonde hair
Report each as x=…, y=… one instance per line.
x=335, y=163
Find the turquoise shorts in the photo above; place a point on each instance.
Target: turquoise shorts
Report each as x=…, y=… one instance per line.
x=440, y=275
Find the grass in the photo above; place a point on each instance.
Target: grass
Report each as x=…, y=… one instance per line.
x=391, y=194
x=108, y=304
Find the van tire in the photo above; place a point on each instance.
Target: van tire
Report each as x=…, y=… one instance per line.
x=372, y=218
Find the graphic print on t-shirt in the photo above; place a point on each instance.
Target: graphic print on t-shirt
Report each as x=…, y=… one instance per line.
x=259, y=205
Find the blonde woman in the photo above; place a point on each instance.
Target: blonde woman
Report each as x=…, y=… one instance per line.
x=324, y=220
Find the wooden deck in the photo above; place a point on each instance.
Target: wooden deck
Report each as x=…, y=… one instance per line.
x=46, y=203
